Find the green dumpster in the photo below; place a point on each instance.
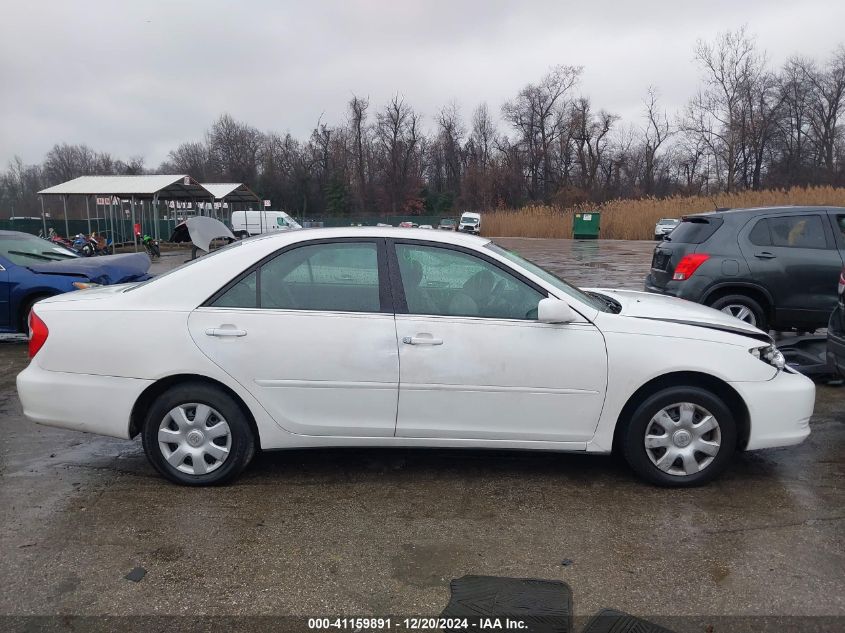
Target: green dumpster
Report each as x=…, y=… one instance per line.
x=586, y=226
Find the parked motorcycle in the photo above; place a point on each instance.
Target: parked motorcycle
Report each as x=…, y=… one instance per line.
x=151, y=246
x=83, y=245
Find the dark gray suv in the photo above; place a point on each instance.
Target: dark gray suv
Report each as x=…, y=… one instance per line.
x=774, y=267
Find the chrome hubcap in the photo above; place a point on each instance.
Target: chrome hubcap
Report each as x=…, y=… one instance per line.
x=194, y=438
x=682, y=439
x=741, y=312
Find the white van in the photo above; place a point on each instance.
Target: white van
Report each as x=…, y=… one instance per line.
x=246, y=223
x=470, y=223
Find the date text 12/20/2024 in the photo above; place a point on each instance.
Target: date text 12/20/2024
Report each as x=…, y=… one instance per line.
x=417, y=624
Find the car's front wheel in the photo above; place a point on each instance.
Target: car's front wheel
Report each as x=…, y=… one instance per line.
x=197, y=435
x=680, y=436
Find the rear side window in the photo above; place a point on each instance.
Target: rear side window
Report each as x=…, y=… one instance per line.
x=695, y=230
x=760, y=235
x=332, y=276
x=797, y=231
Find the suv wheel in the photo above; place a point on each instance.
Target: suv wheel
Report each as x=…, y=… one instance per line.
x=196, y=435
x=743, y=308
x=680, y=436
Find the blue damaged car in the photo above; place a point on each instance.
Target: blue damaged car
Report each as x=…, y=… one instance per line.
x=32, y=268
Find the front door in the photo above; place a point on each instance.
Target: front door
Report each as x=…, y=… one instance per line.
x=475, y=362
x=310, y=333
x=5, y=295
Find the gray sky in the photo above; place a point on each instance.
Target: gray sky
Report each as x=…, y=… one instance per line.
x=140, y=77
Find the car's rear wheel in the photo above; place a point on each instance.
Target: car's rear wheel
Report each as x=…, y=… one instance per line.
x=680, y=436
x=197, y=435
x=743, y=308
x=25, y=310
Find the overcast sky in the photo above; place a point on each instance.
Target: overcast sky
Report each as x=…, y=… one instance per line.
x=139, y=77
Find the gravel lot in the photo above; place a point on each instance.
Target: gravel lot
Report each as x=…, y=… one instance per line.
x=383, y=531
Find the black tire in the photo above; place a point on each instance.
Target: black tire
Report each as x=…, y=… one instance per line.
x=242, y=440
x=632, y=438
x=760, y=317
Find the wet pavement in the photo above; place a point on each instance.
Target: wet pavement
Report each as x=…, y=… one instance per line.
x=380, y=532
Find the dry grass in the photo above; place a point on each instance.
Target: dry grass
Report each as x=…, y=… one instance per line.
x=635, y=219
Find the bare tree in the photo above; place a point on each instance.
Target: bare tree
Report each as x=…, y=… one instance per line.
x=826, y=99
x=657, y=130
x=715, y=114
x=536, y=114
x=399, y=137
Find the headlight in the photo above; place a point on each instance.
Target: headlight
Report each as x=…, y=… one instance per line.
x=769, y=354
x=82, y=285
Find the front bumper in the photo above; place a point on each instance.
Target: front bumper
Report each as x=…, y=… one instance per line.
x=80, y=402
x=779, y=409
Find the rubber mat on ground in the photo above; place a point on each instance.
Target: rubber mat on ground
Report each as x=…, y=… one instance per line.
x=544, y=606
x=611, y=621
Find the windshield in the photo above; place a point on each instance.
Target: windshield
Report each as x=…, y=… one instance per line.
x=668, y=222
x=594, y=301
x=447, y=221
x=469, y=220
x=24, y=250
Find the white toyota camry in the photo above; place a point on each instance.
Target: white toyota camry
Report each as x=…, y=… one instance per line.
x=375, y=337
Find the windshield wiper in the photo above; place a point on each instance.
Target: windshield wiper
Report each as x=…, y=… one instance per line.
x=60, y=255
x=614, y=306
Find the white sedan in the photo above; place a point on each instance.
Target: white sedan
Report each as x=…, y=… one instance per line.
x=375, y=337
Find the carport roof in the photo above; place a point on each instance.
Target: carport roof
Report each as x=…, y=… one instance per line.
x=166, y=186
x=231, y=191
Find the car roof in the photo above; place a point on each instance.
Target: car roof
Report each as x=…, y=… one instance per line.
x=761, y=210
x=448, y=237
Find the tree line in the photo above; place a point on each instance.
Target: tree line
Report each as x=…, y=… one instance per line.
x=749, y=126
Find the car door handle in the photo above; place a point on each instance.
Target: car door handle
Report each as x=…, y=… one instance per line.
x=764, y=255
x=422, y=340
x=222, y=331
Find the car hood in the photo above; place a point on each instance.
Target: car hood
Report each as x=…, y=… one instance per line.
x=106, y=269
x=655, y=307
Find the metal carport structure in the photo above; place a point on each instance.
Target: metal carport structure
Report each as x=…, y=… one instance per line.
x=150, y=189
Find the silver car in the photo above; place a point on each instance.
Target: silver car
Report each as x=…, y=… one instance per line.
x=664, y=226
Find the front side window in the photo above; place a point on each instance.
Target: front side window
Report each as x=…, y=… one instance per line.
x=798, y=231
x=442, y=281
x=340, y=276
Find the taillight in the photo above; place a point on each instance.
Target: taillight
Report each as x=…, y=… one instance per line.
x=37, y=333
x=688, y=265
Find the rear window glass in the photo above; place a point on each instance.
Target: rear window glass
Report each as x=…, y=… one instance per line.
x=695, y=230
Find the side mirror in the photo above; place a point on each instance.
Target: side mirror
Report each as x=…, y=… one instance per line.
x=551, y=310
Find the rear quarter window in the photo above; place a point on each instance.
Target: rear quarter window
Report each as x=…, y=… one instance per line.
x=695, y=230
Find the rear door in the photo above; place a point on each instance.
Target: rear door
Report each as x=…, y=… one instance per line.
x=310, y=333
x=794, y=256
